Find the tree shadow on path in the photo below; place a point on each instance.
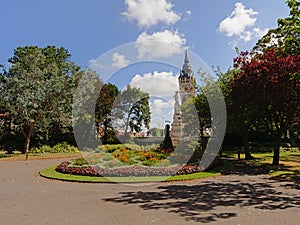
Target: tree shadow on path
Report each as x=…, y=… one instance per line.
x=208, y=201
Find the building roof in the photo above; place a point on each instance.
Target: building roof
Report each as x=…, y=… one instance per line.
x=187, y=70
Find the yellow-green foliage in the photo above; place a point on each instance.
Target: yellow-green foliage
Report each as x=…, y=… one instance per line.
x=59, y=148
x=133, y=147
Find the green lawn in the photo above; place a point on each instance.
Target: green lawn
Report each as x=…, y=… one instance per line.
x=36, y=156
x=289, y=167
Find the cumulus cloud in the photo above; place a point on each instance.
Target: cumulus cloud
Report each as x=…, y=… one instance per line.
x=119, y=60
x=161, y=84
x=158, y=105
x=240, y=24
x=159, y=44
x=161, y=110
x=238, y=21
x=95, y=64
x=258, y=32
x=148, y=13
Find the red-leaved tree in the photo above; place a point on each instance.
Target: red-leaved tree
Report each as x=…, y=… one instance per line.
x=266, y=84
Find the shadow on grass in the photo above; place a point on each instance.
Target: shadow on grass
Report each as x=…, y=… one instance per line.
x=210, y=201
x=280, y=172
x=288, y=174
x=244, y=167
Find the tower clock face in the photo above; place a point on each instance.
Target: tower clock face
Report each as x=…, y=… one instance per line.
x=186, y=88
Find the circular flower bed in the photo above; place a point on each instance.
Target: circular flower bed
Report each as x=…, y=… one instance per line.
x=135, y=170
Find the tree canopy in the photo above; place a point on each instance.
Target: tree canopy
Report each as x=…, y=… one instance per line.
x=265, y=82
x=38, y=89
x=104, y=105
x=132, y=110
x=287, y=35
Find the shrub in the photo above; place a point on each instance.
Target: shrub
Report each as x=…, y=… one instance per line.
x=59, y=148
x=79, y=162
x=64, y=147
x=42, y=149
x=112, y=148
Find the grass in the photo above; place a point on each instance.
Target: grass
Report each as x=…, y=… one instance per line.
x=52, y=174
x=37, y=156
x=289, y=167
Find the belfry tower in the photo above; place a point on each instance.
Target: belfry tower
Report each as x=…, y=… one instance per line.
x=187, y=89
x=187, y=83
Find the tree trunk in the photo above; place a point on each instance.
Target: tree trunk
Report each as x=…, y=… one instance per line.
x=126, y=126
x=26, y=148
x=277, y=144
x=202, y=139
x=246, y=145
x=105, y=131
x=27, y=141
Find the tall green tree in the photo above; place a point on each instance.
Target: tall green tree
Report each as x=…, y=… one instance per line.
x=2, y=107
x=196, y=117
x=287, y=34
x=239, y=116
x=39, y=87
x=105, y=101
x=2, y=91
x=132, y=110
x=88, y=86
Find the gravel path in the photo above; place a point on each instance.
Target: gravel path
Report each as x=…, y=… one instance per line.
x=26, y=198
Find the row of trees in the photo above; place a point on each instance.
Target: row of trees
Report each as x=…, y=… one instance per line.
x=261, y=93
x=262, y=90
x=37, y=95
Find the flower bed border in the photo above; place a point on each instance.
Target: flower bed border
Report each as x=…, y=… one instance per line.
x=139, y=171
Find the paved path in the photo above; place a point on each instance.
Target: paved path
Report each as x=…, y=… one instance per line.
x=26, y=198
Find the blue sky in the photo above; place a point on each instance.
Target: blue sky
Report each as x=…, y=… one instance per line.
x=91, y=28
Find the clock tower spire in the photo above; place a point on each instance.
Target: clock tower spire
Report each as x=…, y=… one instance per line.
x=187, y=89
x=186, y=80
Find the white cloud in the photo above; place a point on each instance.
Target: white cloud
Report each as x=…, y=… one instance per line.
x=148, y=13
x=159, y=44
x=275, y=40
x=260, y=32
x=187, y=15
x=119, y=61
x=160, y=84
x=95, y=64
x=158, y=105
x=240, y=23
x=161, y=110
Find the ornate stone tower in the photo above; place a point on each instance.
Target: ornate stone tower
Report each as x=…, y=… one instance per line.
x=187, y=83
x=176, y=130
x=187, y=89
